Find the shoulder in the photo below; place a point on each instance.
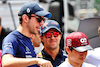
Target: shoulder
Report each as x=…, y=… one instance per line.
x=65, y=64
x=10, y=37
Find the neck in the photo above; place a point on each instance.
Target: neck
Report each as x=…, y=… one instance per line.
x=24, y=31
x=52, y=52
x=74, y=64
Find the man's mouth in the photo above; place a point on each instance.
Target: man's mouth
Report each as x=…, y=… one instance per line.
x=38, y=28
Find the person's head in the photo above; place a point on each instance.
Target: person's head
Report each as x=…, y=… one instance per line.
x=32, y=14
x=50, y=34
x=77, y=44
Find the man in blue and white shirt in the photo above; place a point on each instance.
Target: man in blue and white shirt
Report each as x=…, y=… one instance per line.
x=18, y=50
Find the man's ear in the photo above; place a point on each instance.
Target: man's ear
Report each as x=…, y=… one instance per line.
x=67, y=49
x=25, y=18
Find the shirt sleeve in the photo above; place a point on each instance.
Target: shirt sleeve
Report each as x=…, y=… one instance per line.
x=9, y=46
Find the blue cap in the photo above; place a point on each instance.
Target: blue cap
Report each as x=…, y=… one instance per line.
x=33, y=8
x=48, y=25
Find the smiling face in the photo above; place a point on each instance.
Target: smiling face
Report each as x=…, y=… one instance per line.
x=51, y=42
x=75, y=56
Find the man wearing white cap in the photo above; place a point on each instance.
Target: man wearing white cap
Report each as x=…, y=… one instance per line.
x=77, y=45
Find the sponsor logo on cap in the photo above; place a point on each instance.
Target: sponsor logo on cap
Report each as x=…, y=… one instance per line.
x=28, y=10
x=69, y=42
x=83, y=41
x=44, y=25
x=54, y=23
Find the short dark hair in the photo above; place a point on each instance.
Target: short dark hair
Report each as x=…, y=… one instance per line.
x=20, y=18
x=71, y=48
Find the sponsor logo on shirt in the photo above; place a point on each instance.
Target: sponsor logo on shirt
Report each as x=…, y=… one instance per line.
x=8, y=45
x=28, y=53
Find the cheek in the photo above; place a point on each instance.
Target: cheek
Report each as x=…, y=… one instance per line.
x=44, y=40
x=33, y=26
x=58, y=39
x=73, y=57
x=33, y=23
x=85, y=54
x=30, y=24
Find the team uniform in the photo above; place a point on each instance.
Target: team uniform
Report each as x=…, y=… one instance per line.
x=67, y=64
x=58, y=60
x=93, y=57
x=19, y=46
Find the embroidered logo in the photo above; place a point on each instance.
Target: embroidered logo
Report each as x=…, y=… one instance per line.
x=54, y=23
x=69, y=42
x=45, y=25
x=83, y=41
x=8, y=45
x=28, y=53
x=39, y=55
x=28, y=10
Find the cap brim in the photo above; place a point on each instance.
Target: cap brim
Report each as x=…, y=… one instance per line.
x=83, y=48
x=43, y=13
x=50, y=28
